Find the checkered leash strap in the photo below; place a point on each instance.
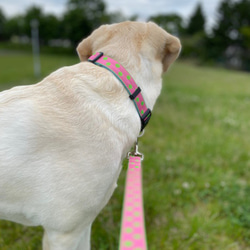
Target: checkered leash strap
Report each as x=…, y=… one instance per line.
x=133, y=233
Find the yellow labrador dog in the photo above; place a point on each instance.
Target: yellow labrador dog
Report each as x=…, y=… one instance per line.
x=62, y=140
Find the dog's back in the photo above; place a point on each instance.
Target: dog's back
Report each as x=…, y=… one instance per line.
x=62, y=140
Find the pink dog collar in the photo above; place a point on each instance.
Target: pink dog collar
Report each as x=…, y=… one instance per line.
x=127, y=81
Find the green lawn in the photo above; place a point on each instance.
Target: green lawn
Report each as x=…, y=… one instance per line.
x=196, y=167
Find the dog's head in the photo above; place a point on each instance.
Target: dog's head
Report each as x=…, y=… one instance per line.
x=136, y=38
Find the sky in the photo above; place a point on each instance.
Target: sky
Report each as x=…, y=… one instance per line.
x=142, y=8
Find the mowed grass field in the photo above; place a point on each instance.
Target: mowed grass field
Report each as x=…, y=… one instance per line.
x=196, y=171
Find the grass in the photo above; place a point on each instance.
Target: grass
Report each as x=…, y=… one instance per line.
x=196, y=167
x=17, y=68
x=201, y=161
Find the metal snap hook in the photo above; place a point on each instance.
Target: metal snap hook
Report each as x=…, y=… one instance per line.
x=136, y=151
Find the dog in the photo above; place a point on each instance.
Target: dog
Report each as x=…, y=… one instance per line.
x=62, y=140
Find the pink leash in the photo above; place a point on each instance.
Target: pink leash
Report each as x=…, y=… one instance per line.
x=133, y=234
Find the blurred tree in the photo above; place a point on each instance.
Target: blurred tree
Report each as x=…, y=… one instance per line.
x=33, y=12
x=197, y=21
x=19, y=26
x=220, y=38
x=51, y=28
x=49, y=25
x=36, y=12
x=193, y=46
x=82, y=16
x=229, y=42
x=75, y=26
x=78, y=21
x=194, y=34
x=14, y=26
x=94, y=10
x=171, y=23
x=2, y=25
x=243, y=27
x=245, y=32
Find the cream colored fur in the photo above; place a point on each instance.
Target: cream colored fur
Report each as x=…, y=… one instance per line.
x=62, y=140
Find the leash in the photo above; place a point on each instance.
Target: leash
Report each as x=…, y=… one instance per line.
x=133, y=233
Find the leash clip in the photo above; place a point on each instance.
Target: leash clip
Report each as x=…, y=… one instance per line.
x=136, y=152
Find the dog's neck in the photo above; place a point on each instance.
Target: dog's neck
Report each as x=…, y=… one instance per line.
x=128, y=83
x=148, y=79
x=146, y=73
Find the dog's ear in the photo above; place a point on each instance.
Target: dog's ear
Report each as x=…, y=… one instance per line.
x=96, y=40
x=84, y=49
x=171, y=51
x=167, y=46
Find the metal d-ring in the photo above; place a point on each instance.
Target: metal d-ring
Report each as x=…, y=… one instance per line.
x=141, y=134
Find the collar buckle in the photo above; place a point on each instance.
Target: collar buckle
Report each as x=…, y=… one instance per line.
x=145, y=118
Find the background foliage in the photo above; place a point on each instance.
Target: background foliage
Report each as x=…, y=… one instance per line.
x=226, y=43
